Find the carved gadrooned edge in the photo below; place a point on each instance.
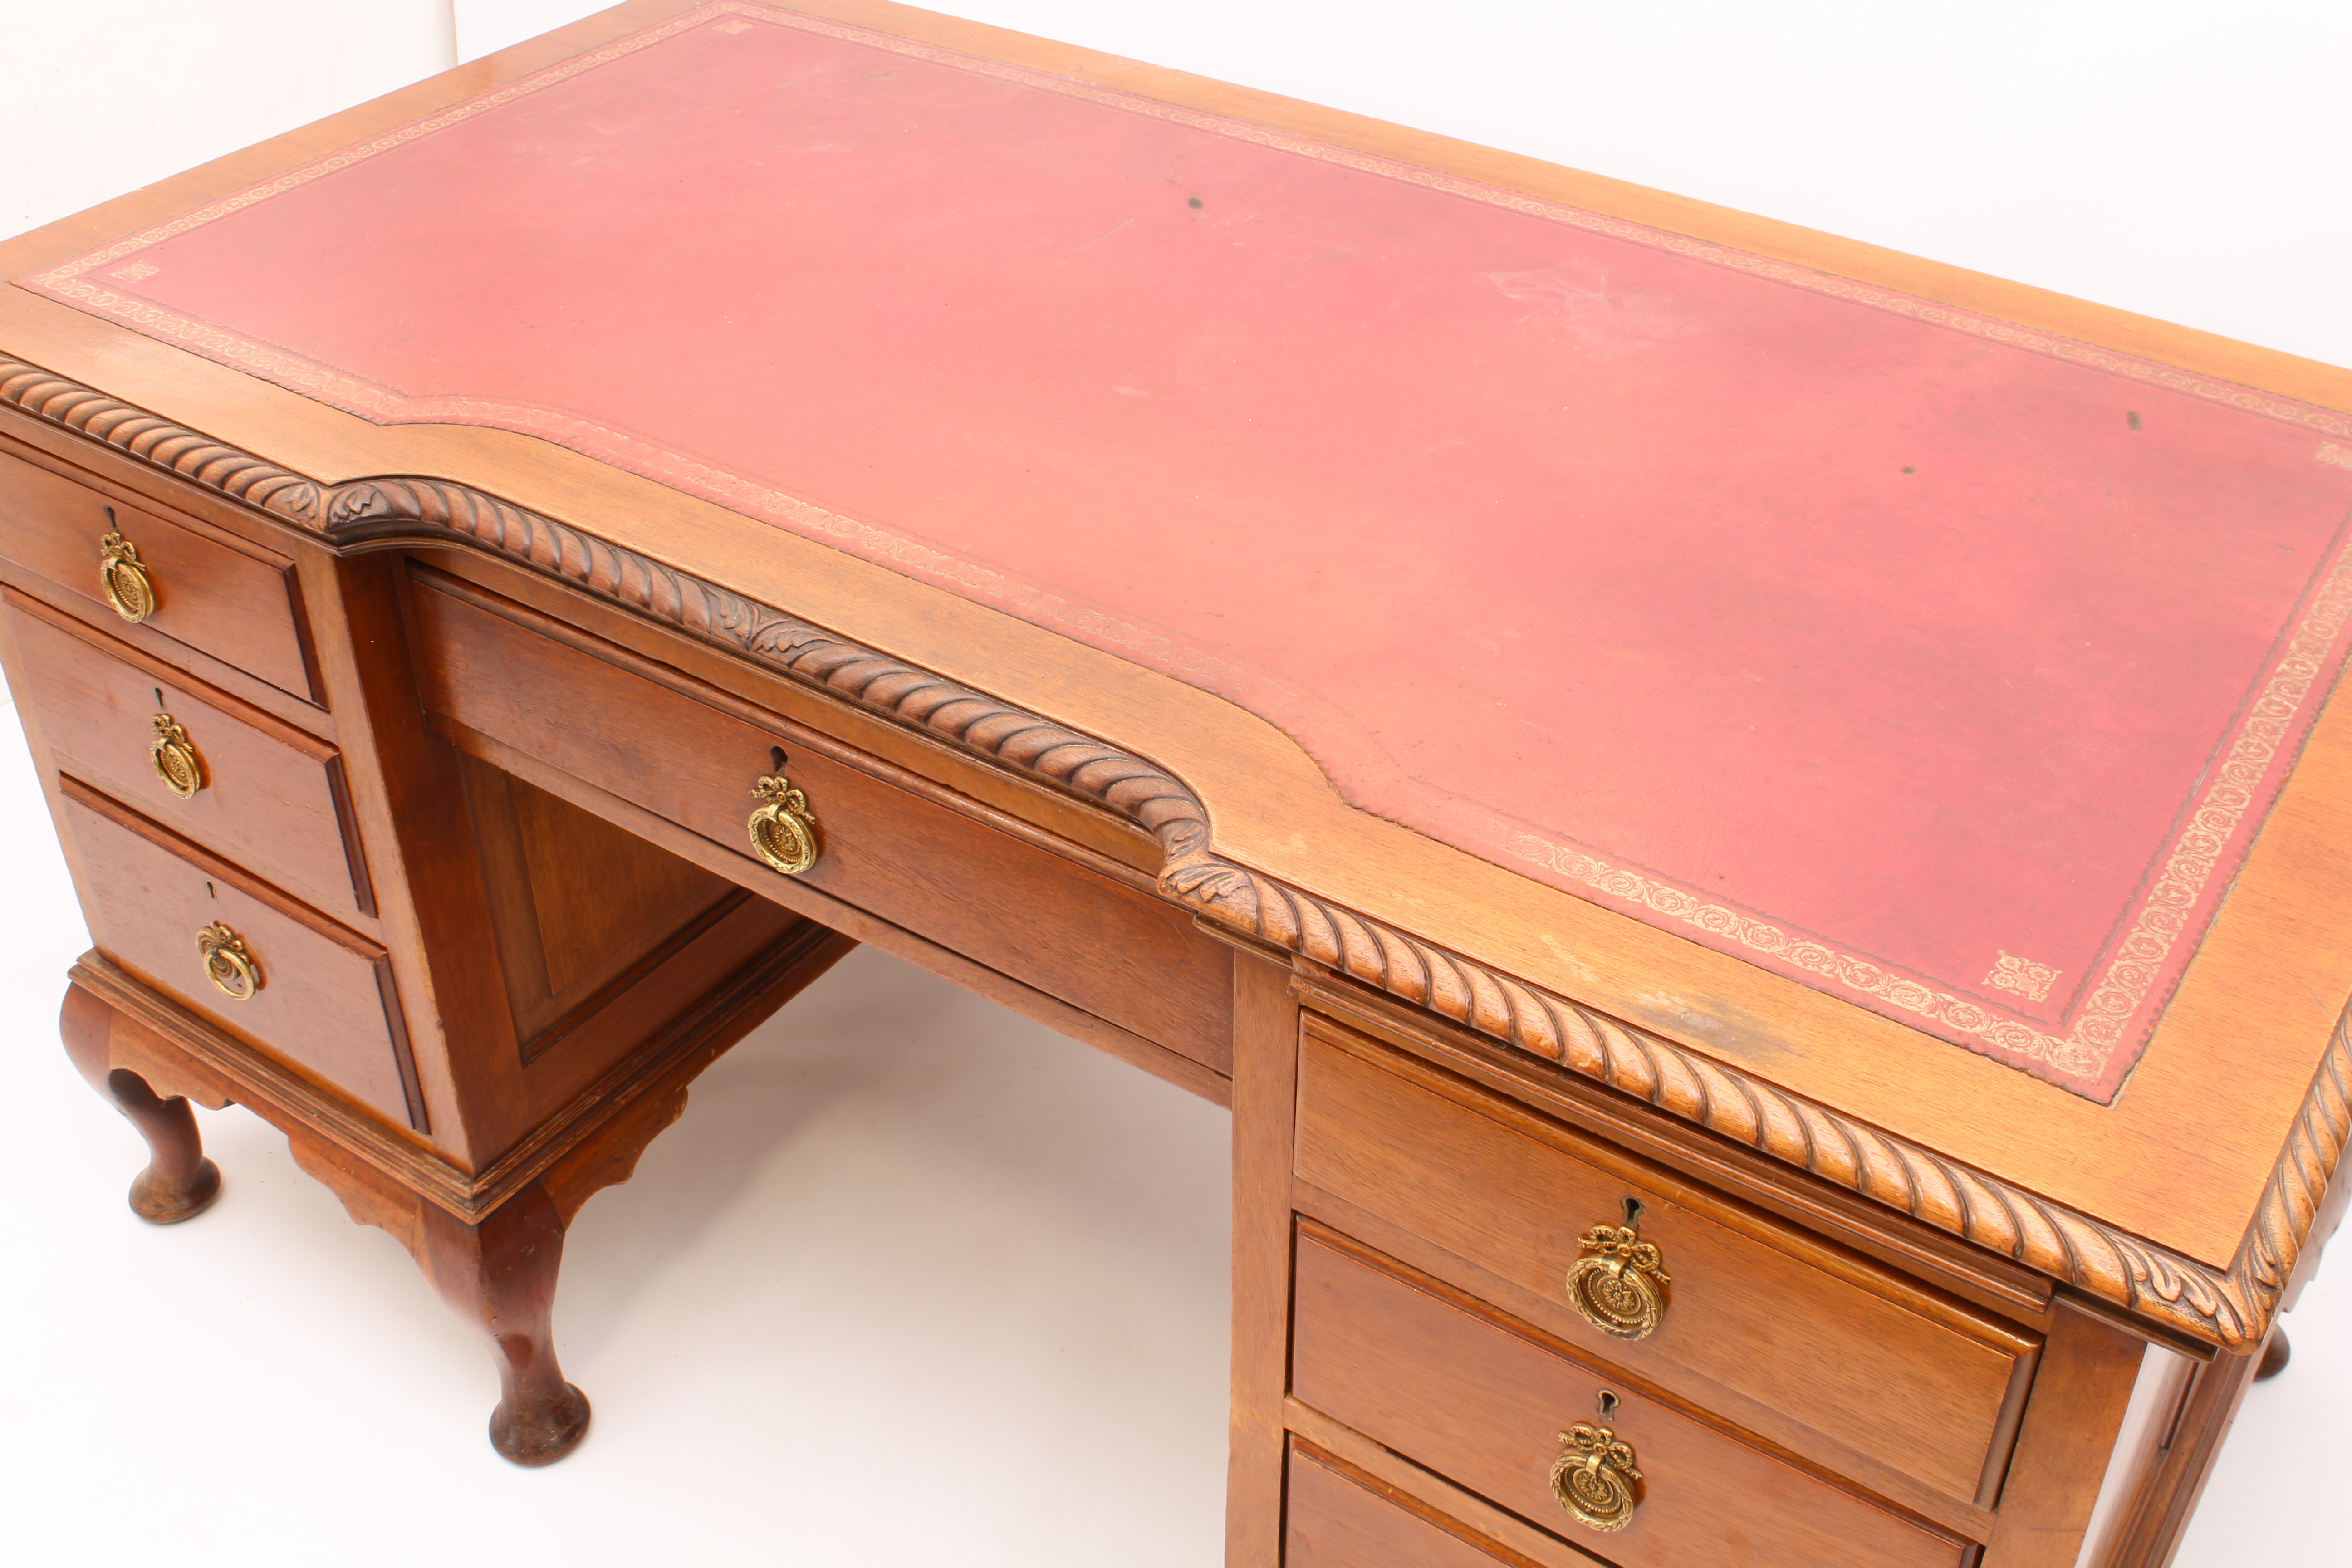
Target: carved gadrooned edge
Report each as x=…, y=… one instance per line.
x=374, y=509
x=384, y=509
x=174, y=448
x=2230, y=1308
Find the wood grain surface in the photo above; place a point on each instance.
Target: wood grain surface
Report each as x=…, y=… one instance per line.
x=1266, y=1076
x=1118, y=953
x=2225, y=1306
x=1483, y=1403
x=217, y=596
x=325, y=1000
x=2087, y=1371
x=1341, y=1518
x=273, y=797
x=1865, y=1355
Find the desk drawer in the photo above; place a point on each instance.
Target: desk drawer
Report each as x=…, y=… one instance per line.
x=324, y=1000
x=1924, y=1383
x=690, y=755
x=1484, y=1402
x=269, y=797
x=1332, y=1521
x=227, y=600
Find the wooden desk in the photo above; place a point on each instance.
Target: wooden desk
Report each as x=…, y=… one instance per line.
x=435, y=695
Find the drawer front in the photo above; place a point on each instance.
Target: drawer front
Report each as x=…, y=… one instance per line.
x=1331, y=1521
x=269, y=797
x=1074, y=933
x=325, y=1000
x=222, y=599
x=1924, y=1383
x=1483, y=1403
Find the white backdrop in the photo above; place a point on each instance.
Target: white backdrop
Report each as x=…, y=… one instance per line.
x=2187, y=161
x=915, y=1282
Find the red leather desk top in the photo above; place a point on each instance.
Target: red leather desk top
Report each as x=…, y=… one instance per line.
x=1945, y=666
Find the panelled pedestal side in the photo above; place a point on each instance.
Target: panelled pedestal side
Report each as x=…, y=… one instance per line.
x=301, y=906
x=1487, y=1312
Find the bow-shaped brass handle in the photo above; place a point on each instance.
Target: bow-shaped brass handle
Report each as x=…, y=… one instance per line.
x=1594, y=1477
x=784, y=831
x=123, y=578
x=175, y=758
x=1620, y=1285
x=228, y=965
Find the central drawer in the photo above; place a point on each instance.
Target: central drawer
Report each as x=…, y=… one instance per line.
x=690, y=755
x=1880, y=1366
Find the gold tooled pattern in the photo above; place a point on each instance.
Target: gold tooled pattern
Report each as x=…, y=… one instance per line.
x=2230, y=1306
x=2230, y=791
x=2110, y=1006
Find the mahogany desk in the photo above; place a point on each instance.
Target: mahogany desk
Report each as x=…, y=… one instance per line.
x=1751, y=828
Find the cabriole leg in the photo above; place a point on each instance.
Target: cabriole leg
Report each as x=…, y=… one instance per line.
x=500, y=1275
x=179, y=1183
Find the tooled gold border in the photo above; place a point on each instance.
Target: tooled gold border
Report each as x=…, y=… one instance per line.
x=2167, y=376
x=2133, y=962
x=2137, y=957
x=2229, y=1308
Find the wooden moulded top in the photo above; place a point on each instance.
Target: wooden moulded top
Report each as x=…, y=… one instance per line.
x=1898, y=696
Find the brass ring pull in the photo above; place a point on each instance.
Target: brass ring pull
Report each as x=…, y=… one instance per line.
x=1594, y=1477
x=228, y=965
x=175, y=758
x=784, y=831
x=125, y=578
x=1619, y=1286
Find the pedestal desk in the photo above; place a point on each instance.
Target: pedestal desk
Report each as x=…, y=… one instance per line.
x=1754, y=829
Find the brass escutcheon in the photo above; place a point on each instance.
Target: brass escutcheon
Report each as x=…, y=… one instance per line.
x=1594, y=1477
x=174, y=757
x=1619, y=1286
x=119, y=573
x=784, y=831
x=228, y=965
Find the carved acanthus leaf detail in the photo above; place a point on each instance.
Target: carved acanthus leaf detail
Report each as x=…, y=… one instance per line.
x=237, y=474
x=2230, y=1308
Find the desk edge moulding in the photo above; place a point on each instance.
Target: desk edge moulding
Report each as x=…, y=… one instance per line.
x=2230, y=1308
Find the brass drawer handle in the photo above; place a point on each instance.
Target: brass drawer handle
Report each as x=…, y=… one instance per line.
x=228, y=965
x=1594, y=1477
x=784, y=831
x=1619, y=1286
x=174, y=757
x=125, y=578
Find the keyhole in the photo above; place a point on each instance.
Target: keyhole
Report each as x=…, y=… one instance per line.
x=159, y=700
x=776, y=757
x=109, y=519
x=1608, y=1404
x=210, y=894
x=1633, y=1211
